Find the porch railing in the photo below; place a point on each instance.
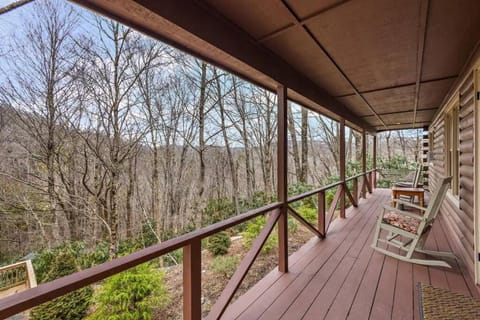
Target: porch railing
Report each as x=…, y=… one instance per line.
x=17, y=274
x=191, y=244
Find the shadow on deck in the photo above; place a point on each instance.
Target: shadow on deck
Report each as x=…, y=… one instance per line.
x=341, y=277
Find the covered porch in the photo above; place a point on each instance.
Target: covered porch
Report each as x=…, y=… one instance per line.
x=396, y=78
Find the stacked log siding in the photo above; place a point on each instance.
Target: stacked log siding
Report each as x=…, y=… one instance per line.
x=458, y=212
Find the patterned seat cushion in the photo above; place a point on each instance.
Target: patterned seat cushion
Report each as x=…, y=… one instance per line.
x=400, y=221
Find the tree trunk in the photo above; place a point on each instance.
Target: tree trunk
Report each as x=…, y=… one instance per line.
x=403, y=143
x=389, y=147
x=132, y=177
x=358, y=146
x=155, y=205
x=231, y=162
x=304, y=139
x=201, y=129
x=293, y=138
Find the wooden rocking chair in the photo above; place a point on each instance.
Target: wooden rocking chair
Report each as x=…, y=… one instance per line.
x=411, y=184
x=412, y=228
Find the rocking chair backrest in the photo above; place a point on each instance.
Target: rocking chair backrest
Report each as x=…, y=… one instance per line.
x=437, y=199
x=416, y=178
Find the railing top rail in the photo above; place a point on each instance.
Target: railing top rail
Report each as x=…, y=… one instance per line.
x=325, y=188
x=13, y=266
x=313, y=192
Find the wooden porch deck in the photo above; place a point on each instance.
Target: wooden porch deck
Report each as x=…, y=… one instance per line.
x=341, y=277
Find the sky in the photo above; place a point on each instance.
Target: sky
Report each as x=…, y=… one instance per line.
x=9, y=20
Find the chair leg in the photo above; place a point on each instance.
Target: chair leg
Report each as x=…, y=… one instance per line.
x=376, y=234
x=411, y=248
x=442, y=254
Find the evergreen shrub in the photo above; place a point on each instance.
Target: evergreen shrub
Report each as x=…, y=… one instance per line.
x=219, y=243
x=131, y=295
x=71, y=306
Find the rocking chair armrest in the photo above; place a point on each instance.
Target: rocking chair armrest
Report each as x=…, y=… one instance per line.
x=403, y=184
x=405, y=213
x=409, y=204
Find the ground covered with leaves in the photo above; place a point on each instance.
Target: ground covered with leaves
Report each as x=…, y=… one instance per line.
x=216, y=272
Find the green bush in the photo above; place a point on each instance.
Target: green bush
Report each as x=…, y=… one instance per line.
x=217, y=210
x=253, y=229
x=309, y=214
x=131, y=295
x=219, y=243
x=292, y=224
x=225, y=266
x=45, y=259
x=296, y=189
x=99, y=255
x=71, y=306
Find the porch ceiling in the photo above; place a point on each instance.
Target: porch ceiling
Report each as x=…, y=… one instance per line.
x=380, y=64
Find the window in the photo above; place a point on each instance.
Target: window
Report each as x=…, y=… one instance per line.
x=452, y=146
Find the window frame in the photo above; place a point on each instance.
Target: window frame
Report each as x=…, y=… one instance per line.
x=452, y=145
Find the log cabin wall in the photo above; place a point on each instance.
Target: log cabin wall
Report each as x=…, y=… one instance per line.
x=457, y=212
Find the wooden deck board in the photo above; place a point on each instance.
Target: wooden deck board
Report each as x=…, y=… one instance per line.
x=303, y=271
x=314, y=286
x=324, y=300
x=403, y=308
x=341, y=277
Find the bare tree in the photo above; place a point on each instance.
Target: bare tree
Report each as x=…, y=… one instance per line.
x=40, y=90
x=389, y=146
x=110, y=77
x=304, y=138
x=263, y=131
x=151, y=84
x=293, y=138
x=402, y=141
x=239, y=120
x=329, y=137
x=201, y=126
x=224, y=129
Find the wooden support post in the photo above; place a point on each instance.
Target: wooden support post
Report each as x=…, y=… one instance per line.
x=282, y=185
x=374, y=160
x=321, y=213
x=364, y=164
x=342, y=166
x=192, y=281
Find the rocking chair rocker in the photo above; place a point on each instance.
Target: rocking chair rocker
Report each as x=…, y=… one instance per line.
x=412, y=228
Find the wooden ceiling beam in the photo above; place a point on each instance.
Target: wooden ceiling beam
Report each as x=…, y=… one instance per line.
x=301, y=22
x=398, y=112
x=332, y=60
x=398, y=86
x=424, y=7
